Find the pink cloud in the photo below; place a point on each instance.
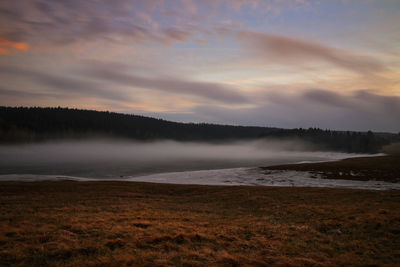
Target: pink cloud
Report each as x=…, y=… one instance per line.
x=286, y=50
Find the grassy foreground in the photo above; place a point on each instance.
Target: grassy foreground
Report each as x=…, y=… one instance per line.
x=118, y=224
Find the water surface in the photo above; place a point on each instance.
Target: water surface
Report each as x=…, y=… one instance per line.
x=108, y=159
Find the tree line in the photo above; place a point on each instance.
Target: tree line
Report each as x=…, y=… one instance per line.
x=34, y=124
x=344, y=141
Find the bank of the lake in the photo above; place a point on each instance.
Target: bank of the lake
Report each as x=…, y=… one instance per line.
x=380, y=168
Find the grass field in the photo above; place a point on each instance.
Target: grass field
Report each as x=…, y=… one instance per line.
x=140, y=224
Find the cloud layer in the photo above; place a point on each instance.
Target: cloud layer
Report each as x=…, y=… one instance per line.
x=362, y=111
x=88, y=83
x=211, y=91
x=287, y=50
x=252, y=62
x=64, y=85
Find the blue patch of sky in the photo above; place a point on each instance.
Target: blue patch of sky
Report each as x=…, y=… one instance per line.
x=329, y=22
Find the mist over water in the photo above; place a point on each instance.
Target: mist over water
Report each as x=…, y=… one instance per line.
x=117, y=158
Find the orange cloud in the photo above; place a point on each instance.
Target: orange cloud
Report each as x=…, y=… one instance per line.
x=3, y=51
x=6, y=45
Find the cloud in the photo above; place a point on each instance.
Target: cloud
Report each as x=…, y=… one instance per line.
x=22, y=94
x=67, y=85
x=286, y=50
x=89, y=84
x=263, y=6
x=7, y=45
x=208, y=90
x=361, y=111
x=176, y=34
x=328, y=98
x=158, y=21
x=65, y=22
x=366, y=101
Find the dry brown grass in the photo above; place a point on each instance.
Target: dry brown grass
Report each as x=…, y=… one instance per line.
x=138, y=224
x=381, y=168
x=392, y=149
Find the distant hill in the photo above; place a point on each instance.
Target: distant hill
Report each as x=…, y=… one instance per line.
x=22, y=124
x=32, y=124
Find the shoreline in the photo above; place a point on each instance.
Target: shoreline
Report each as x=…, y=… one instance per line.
x=375, y=168
x=366, y=173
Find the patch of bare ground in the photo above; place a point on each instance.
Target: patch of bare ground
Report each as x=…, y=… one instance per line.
x=380, y=168
x=138, y=224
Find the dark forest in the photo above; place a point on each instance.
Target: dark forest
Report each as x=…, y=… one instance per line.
x=26, y=125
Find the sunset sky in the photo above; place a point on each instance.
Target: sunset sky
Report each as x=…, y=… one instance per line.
x=282, y=63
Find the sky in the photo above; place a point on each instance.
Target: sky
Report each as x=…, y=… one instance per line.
x=332, y=64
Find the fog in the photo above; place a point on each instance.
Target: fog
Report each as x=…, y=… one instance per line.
x=117, y=158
